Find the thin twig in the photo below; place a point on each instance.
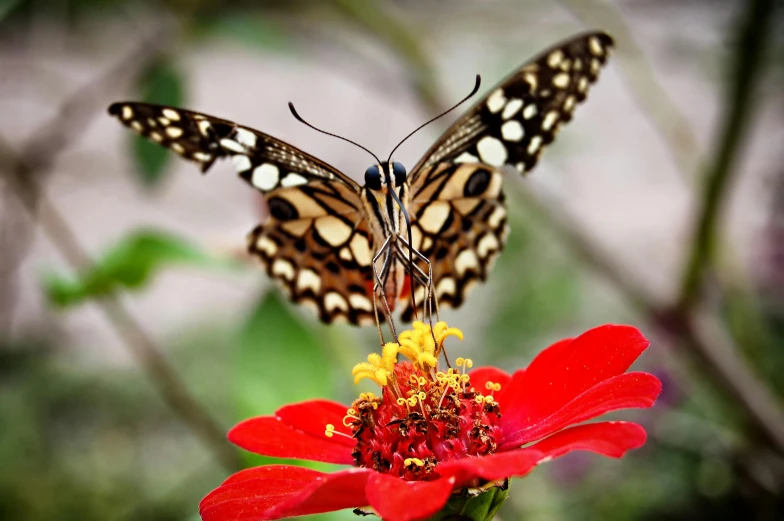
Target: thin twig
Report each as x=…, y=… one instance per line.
x=25, y=172
x=753, y=34
x=669, y=121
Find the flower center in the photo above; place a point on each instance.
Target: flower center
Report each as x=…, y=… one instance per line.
x=424, y=416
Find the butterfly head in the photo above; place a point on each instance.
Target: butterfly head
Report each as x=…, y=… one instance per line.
x=379, y=177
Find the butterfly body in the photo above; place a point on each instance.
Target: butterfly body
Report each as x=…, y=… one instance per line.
x=325, y=230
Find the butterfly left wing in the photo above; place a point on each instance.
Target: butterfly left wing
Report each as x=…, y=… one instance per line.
x=457, y=205
x=316, y=242
x=460, y=227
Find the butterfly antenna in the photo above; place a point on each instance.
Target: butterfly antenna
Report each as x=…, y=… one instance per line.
x=476, y=88
x=299, y=118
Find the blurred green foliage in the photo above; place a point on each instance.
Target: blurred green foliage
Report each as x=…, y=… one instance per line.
x=128, y=264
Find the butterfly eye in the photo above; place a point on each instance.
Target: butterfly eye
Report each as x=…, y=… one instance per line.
x=373, y=178
x=400, y=173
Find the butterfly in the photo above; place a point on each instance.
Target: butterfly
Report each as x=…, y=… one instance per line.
x=324, y=229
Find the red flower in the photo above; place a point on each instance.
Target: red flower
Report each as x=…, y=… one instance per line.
x=433, y=433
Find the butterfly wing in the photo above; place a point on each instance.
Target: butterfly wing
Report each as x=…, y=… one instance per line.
x=460, y=227
x=511, y=125
x=263, y=161
x=456, y=197
x=316, y=243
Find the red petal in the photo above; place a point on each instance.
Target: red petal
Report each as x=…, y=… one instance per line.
x=344, y=489
x=269, y=436
x=620, y=392
x=248, y=493
x=312, y=417
x=570, y=367
x=397, y=500
x=607, y=438
x=481, y=375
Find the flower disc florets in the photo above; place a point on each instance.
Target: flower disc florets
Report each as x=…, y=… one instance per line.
x=424, y=416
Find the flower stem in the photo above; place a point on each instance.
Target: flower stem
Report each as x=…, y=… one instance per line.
x=482, y=507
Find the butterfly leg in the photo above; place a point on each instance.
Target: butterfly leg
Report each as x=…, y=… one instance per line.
x=378, y=286
x=430, y=300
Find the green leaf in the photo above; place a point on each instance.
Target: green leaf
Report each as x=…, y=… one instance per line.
x=159, y=83
x=281, y=360
x=128, y=264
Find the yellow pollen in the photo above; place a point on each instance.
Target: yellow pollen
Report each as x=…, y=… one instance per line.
x=479, y=399
x=413, y=461
x=330, y=430
x=489, y=399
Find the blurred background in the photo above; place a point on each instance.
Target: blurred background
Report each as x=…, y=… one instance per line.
x=133, y=334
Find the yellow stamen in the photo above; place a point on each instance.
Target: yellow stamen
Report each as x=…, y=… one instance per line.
x=413, y=461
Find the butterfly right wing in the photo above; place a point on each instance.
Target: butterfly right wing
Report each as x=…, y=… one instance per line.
x=317, y=242
x=317, y=245
x=263, y=161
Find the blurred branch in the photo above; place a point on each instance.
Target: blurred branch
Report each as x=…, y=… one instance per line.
x=369, y=15
x=651, y=96
x=753, y=36
x=25, y=171
x=704, y=337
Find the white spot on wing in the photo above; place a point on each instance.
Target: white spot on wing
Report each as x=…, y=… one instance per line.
x=358, y=301
x=241, y=162
x=333, y=230
x=232, y=145
x=434, y=216
x=127, y=112
x=555, y=58
x=495, y=218
x=486, y=244
x=334, y=300
x=549, y=120
x=283, y=268
x=465, y=261
x=534, y=145
x=246, y=137
x=529, y=111
x=511, y=108
x=308, y=279
x=465, y=157
x=361, y=249
x=492, y=151
x=171, y=114
x=266, y=245
x=595, y=46
x=265, y=176
x=293, y=179
x=561, y=80
x=512, y=130
x=446, y=286
x=496, y=101
x=173, y=132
